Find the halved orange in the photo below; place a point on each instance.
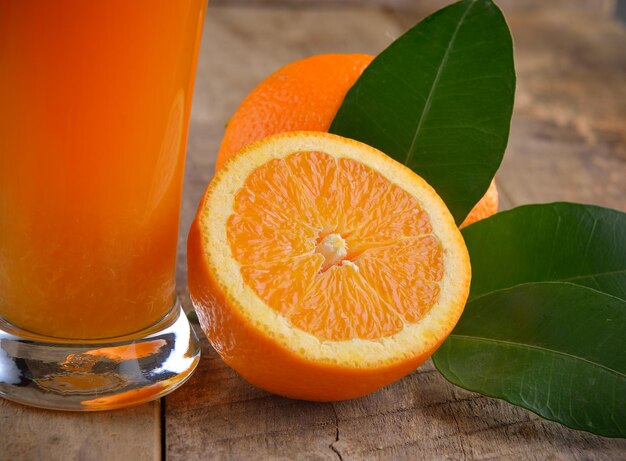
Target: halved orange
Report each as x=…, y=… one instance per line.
x=321, y=269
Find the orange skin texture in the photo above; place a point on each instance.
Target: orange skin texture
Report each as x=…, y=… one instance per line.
x=486, y=206
x=301, y=96
x=265, y=363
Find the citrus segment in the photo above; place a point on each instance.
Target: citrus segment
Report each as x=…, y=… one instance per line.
x=322, y=269
x=340, y=305
x=283, y=284
x=318, y=179
x=287, y=239
x=407, y=273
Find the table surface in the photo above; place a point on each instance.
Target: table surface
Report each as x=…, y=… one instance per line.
x=568, y=142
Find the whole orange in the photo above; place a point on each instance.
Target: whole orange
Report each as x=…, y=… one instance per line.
x=305, y=96
x=302, y=96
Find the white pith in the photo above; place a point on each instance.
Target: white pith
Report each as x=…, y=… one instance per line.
x=333, y=248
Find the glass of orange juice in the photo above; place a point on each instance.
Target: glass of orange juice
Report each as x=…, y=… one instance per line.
x=95, y=99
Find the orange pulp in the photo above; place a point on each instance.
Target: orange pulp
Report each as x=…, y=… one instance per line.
x=343, y=254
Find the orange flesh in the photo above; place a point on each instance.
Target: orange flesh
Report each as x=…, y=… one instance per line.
x=388, y=274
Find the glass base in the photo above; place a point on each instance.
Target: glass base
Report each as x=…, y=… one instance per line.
x=79, y=375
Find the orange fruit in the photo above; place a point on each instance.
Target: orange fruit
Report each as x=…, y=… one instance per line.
x=321, y=269
x=303, y=95
x=486, y=206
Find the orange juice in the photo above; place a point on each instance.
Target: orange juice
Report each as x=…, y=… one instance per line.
x=94, y=109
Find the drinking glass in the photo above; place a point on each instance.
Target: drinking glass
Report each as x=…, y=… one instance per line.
x=95, y=99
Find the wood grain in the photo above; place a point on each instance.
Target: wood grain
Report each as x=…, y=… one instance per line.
x=566, y=144
x=32, y=434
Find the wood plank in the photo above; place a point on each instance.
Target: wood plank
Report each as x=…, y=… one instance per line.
x=424, y=417
x=217, y=415
x=29, y=433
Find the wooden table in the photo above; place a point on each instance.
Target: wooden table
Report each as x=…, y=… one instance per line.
x=568, y=142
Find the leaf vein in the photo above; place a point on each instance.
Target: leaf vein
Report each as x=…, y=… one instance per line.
x=428, y=102
x=540, y=348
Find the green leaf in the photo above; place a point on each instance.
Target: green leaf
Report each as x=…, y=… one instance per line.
x=554, y=348
x=545, y=327
x=568, y=242
x=439, y=99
